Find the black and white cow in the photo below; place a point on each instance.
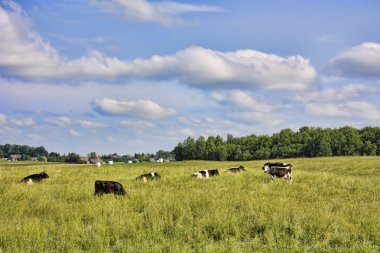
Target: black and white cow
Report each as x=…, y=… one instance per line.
x=105, y=187
x=35, y=178
x=279, y=170
x=237, y=169
x=149, y=176
x=206, y=173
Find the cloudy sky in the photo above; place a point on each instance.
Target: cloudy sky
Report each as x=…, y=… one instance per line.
x=132, y=76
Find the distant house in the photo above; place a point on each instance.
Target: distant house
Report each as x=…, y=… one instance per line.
x=84, y=159
x=96, y=161
x=14, y=158
x=161, y=160
x=39, y=159
x=116, y=157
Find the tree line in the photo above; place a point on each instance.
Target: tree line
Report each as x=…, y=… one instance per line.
x=26, y=153
x=306, y=142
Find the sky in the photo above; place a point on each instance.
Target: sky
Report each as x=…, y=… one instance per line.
x=138, y=76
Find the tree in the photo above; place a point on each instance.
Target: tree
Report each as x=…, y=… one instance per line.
x=178, y=152
x=211, y=148
x=200, y=149
x=73, y=158
x=221, y=153
x=352, y=143
x=93, y=155
x=369, y=148
x=189, y=148
x=234, y=152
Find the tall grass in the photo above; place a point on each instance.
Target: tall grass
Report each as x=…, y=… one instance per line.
x=331, y=206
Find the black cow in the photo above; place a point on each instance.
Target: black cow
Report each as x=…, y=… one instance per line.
x=206, y=173
x=235, y=170
x=149, y=176
x=279, y=170
x=35, y=178
x=105, y=187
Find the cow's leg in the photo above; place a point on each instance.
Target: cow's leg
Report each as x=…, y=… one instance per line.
x=289, y=178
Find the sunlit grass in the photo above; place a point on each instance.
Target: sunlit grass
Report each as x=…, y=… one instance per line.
x=332, y=205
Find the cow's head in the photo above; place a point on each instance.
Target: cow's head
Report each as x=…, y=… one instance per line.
x=44, y=175
x=156, y=175
x=266, y=167
x=242, y=168
x=214, y=172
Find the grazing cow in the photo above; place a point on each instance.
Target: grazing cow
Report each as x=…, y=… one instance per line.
x=206, y=173
x=149, y=176
x=235, y=170
x=105, y=187
x=35, y=178
x=279, y=170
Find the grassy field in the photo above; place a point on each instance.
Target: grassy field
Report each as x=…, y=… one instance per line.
x=333, y=205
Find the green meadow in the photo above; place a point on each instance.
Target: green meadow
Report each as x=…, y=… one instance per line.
x=333, y=205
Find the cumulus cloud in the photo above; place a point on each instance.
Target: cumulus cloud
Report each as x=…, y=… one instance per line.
x=23, y=121
x=269, y=119
x=26, y=55
x=164, y=13
x=138, y=125
x=74, y=133
x=331, y=94
x=362, y=61
x=91, y=124
x=3, y=119
x=59, y=121
x=111, y=139
x=36, y=137
x=143, y=108
x=357, y=109
x=242, y=100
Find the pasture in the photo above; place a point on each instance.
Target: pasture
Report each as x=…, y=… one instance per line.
x=333, y=205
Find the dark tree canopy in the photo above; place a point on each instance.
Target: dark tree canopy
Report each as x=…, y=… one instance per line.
x=306, y=142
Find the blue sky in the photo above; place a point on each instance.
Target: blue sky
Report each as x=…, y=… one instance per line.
x=138, y=76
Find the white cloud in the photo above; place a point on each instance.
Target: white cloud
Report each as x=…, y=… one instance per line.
x=331, y=94
x=164, y=13
x=352, y=109
x=36, y=137
x=59, y=121
x=23, y=121
x=248, y=102
x=217, y=96
x=187, y=132
x=362, y=61
x=330, y=110
x=74, y=133
x=242, y=100
x=25, y=54
x=91, y=124
x=268, y=119
x=138, y=125
x=143, y=108
x=3, y=119
x=111, y=139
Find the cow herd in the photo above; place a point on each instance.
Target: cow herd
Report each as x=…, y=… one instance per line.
x=277, y=169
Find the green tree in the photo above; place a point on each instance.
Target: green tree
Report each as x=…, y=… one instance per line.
x=73, y=158
x=200, y=149
x=189, y=148
x=369, y=148
x=178, y=152
x=221, y=153
x=211, y=148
